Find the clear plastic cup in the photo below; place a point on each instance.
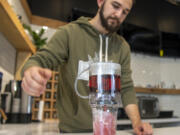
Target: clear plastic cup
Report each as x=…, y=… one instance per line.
x=104, y=120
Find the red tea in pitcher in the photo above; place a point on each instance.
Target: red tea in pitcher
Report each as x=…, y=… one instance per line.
x=104, y=83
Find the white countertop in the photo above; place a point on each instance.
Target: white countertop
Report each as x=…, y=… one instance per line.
x=152, y=121
x=52, y=129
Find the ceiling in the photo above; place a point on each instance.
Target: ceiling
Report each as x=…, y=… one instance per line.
x=152, y=24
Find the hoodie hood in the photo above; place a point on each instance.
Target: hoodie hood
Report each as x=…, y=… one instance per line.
x=84, y=22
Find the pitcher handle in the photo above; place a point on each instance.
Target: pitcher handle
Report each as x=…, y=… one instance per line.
x=75, y=85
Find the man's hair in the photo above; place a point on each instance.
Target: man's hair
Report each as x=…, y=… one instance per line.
x=134, y=1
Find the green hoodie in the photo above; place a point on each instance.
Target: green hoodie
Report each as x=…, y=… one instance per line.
x=71, y=43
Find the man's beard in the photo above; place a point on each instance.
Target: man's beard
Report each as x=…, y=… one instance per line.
x=104, y=21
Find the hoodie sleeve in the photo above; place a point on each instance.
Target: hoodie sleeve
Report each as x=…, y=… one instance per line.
x=52, y=54
x=128, y=94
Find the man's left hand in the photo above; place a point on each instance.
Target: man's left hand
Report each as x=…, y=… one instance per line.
x=143, y=129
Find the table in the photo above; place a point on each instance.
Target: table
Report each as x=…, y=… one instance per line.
x=52, y=129
x=152, y=121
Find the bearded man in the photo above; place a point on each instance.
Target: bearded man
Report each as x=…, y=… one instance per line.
x=69, y=49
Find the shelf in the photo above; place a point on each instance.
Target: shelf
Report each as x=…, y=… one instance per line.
x=157, y=91
x=36, y=99
x=47, y=109
x=13, y=30
x=50, y=120
x=48, y=90
x=35, y=109
x=47, y=99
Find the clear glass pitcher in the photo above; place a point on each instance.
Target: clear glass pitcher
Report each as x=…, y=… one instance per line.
x=104, y=83
x=104, y=96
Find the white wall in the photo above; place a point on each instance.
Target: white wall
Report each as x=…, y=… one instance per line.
x=19, y=10
x=150, y=70
x=7, y=60
x=7, y=51
x=145, y=69
x=170, y=71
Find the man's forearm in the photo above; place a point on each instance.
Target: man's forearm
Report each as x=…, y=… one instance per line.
x=133, y=114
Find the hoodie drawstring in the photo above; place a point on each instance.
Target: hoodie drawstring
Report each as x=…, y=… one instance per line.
x=100, y=51
x=106, y=55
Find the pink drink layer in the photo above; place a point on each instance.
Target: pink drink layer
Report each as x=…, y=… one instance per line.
x=104, y=124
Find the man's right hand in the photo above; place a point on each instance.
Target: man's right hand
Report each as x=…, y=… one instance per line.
x=35, y=80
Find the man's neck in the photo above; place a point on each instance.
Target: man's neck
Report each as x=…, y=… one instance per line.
x=96, y=23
